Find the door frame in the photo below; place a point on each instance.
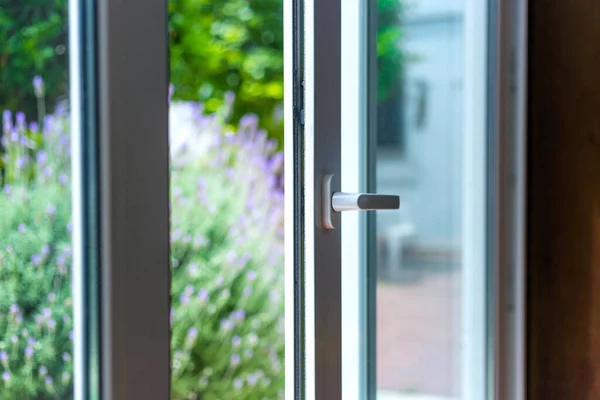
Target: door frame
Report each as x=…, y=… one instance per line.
x=317, y=274
x=120, y=165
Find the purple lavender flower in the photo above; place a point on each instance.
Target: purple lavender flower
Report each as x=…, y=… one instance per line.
x=28, y=352
x=36, y=259
x=14, y=339
x=51, y=324
x=42, y=157
x=192, y=269
x=226, y=324
x=46, y=312
x=66, y=357
x=38, y=86
x=219, y=281
x=3, y=356
x=252, y=379
x=7, y=189
x=5, y=376
x=238, y=315
x=175, y=235
x=184, y=298
x=48, y=381
x=71, y=335
x=31, y=341
x=235, y=360
x=48, y=124
x=203, y=295
x=51, y=210
x=45, y=250
x=43, y=371
x=22, y=228
x=19, y=319
x=34, y=127
x=251, y=275
x=171, y=92
x=230, y=257
x=276, y=162
x=14, y=308
x=7, y=121
x=248, y=121
x=236, y=341
x=69, y=227
x=238, y=383
x=247, y=291
x=62, y=178
x=20, y=162
x=192, y=333
x=14, y=136
x=20, y=119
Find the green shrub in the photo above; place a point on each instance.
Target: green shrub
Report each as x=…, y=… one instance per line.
x=227, y=254
x=34, y=38
x=229, y=46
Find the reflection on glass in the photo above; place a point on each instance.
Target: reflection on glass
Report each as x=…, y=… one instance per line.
x=419, y=155
x=226, y=199
x=35, y=204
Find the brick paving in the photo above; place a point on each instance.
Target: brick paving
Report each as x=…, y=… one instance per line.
x=418, y=335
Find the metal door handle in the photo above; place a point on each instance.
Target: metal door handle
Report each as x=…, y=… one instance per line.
x=340, y=201
x=364, y=201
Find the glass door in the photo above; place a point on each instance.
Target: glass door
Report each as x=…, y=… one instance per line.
x=396, y=107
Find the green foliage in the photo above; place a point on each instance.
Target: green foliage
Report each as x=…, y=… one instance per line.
x=229, y=46
x=33, y=37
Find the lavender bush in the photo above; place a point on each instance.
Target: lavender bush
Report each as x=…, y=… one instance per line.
x=35, y=258
x=227, y=242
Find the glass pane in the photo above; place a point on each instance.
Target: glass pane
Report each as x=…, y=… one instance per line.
x=430, y=269
x=226, y=130
x=36, y=323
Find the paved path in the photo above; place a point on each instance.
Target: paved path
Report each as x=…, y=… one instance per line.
x=418, y=332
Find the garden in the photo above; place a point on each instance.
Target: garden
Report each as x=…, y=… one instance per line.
x=226, y=199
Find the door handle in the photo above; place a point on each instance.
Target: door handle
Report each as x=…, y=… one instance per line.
x=364, y=201
x=339, y=201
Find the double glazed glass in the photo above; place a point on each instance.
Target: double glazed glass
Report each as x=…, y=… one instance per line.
x=430, y=131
